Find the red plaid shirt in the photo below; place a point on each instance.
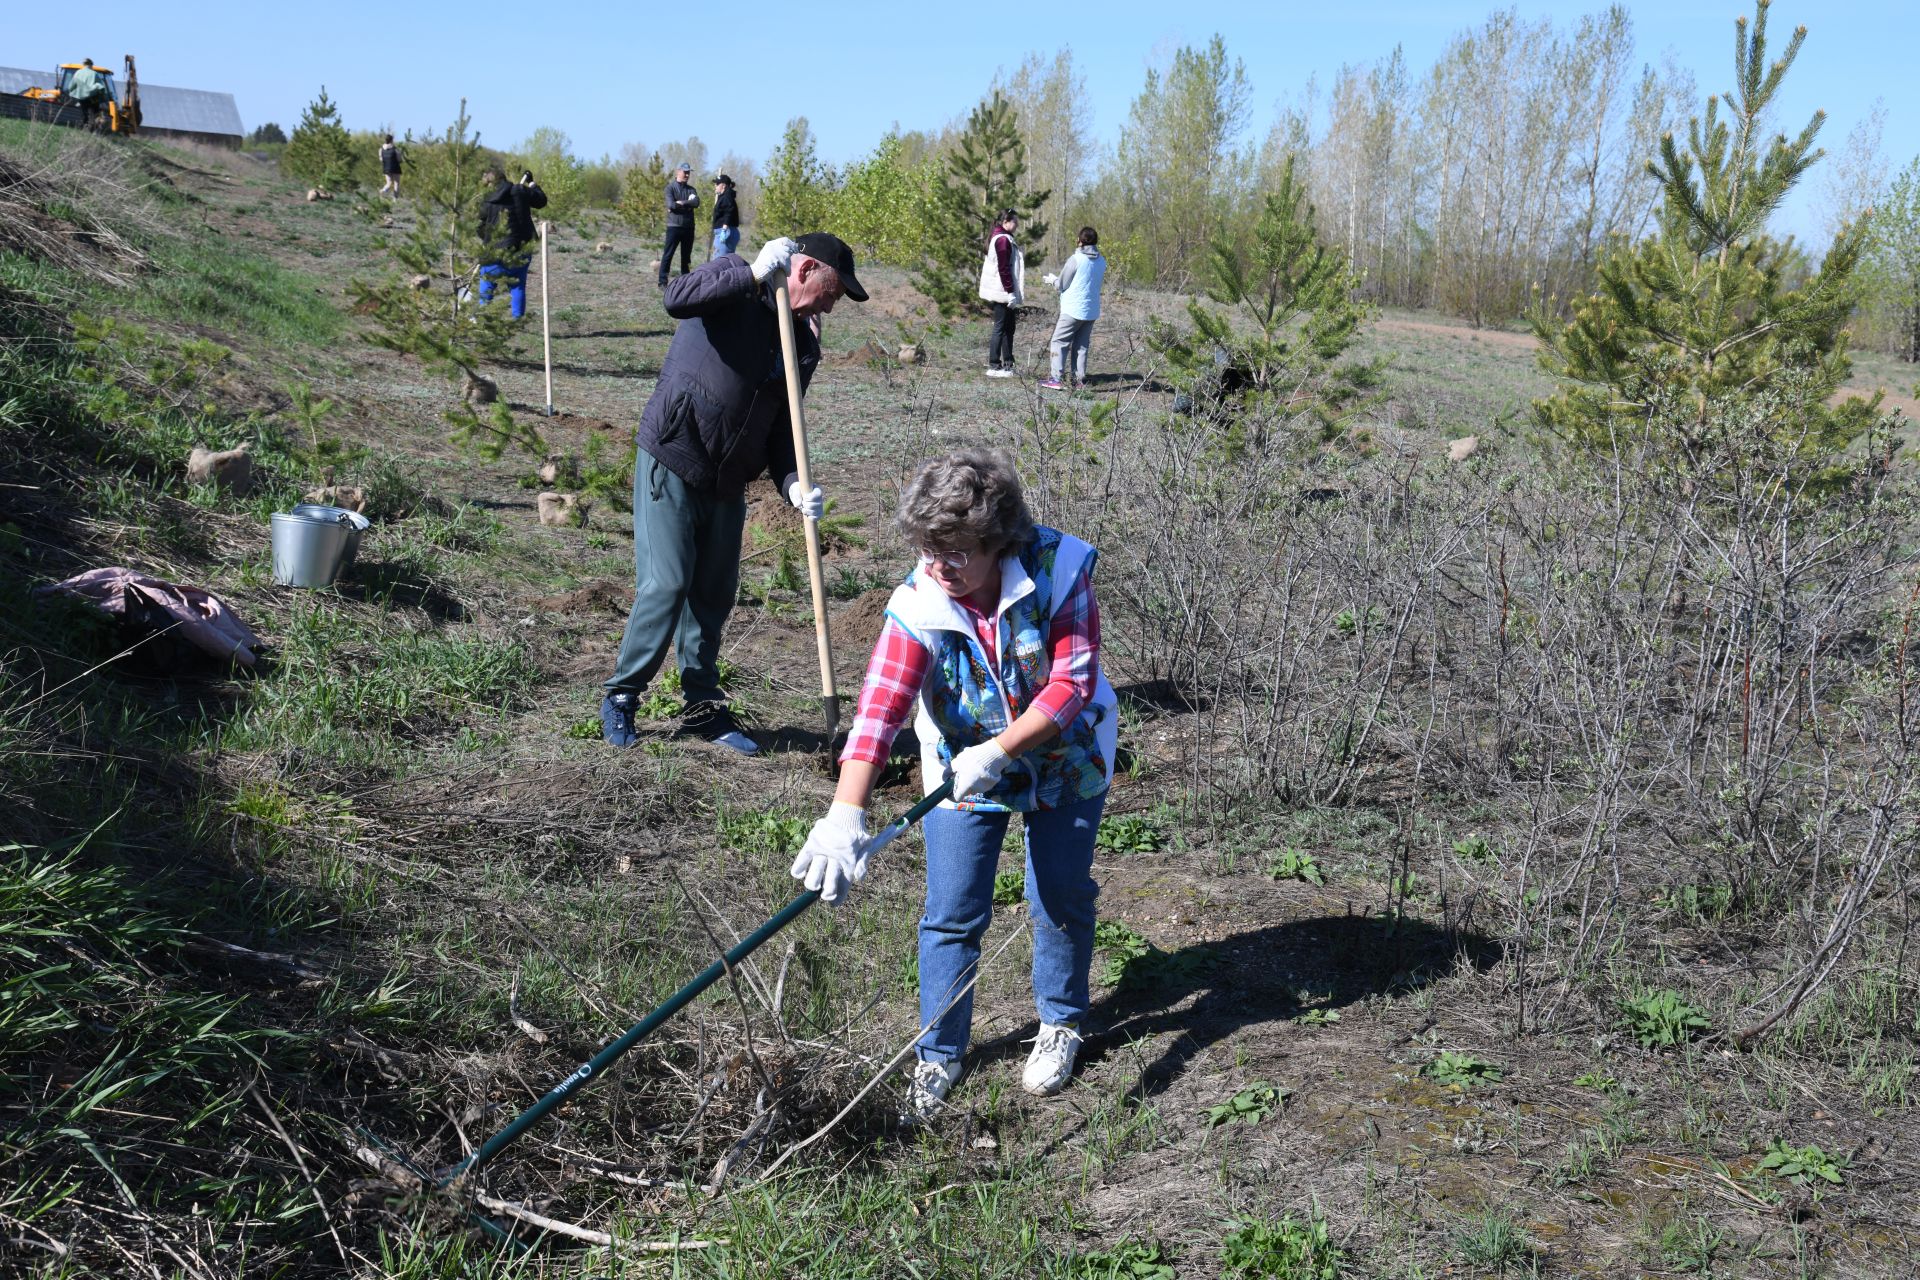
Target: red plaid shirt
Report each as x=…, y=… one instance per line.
x=899, y=666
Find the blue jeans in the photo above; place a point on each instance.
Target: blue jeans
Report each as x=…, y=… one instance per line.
x=725, y=240
x=517, y=290
x=963, y=851
x=686, y=553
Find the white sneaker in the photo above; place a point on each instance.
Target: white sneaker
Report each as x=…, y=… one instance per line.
x=1050, y=1065
x=999, y=373
x=927, y=1091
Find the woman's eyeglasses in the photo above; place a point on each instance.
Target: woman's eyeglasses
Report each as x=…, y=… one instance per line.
x=955, y=560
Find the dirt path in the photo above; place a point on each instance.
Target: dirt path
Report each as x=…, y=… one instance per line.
x=1508, y=340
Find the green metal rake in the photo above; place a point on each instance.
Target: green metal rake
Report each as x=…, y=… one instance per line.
x=597, y=1065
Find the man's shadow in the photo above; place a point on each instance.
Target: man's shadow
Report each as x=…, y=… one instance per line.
x=1280, y=973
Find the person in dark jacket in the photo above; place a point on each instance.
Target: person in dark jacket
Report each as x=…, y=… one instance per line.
x=726, y=217
x=717, y=418
x=506, y=229
x=682, y=200
x=389, y=168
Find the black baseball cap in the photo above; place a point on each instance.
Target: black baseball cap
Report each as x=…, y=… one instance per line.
x=833, y=251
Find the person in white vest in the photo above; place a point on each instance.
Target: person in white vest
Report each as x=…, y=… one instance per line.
x=996, y=635
x=1003, y=280
x=1079, y=284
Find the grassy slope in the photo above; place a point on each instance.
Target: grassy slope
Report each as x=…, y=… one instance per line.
x=403, y=804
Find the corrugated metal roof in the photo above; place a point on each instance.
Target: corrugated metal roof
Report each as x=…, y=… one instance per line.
x=189, y=110
x=18, y=80
x=161, y=106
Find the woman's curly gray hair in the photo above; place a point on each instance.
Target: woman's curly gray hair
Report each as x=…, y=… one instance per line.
x=969, y=498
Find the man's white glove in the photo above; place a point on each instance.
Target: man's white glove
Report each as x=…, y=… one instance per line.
x=693, y=199
x=774, y=256
x=811, y=503
x=835, y=855
x=976, y=769
x=1051, y=278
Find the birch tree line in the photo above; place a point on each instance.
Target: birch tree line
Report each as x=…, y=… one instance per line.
x=1500, y=171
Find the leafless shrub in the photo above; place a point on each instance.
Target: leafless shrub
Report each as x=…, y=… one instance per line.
x=1657, y=681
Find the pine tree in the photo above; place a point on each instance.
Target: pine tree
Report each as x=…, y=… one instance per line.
x=1294, y=299
x=320, y=152
x=1705, y=316
x=983, y=175
x=451, y=337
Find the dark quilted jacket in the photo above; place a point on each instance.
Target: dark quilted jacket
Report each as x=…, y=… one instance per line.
x=718, y=417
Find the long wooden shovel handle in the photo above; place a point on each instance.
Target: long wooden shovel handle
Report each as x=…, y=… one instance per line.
x=815, y=576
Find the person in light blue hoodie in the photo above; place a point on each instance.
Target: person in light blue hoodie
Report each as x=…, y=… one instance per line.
x=1079, y=284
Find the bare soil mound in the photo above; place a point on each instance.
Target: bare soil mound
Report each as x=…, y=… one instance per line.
x=596, y=597
x=580, y=422
x=857, y=627
x=769, y=515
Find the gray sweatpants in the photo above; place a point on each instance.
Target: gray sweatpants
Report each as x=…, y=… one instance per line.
x=686, y=552
x=1076, y=336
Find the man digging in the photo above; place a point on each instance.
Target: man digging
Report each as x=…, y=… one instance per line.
x=717, y=419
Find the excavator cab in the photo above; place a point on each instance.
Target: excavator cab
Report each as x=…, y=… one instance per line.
x=117, y=105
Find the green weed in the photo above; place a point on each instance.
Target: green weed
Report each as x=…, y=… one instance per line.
x=769, y=831
x=1289, y=1249
x=1128, y=1260
x=1129, y=834
x=1493, y=1243
x=1475, y=848
x=1249, y=1106
x=1462, y=1069
x=1009, y=887
x=1691, y=1243
x=1661, y=1019
x=1295, y=864
x=1802, y=1164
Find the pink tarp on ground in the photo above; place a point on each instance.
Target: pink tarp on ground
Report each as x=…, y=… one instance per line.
x=202, y=617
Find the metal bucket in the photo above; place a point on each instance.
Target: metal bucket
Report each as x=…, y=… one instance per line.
x=308, y=552
x=356, y=523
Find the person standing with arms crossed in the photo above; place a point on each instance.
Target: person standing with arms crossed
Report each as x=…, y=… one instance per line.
x=682, y=200
x=717, y=418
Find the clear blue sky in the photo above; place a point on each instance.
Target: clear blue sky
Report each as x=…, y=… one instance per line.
x=609, y=73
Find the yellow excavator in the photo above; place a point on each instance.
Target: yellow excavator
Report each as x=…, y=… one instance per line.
x=83, y=95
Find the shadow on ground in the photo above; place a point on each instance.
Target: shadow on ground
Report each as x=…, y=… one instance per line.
x=1204, y=994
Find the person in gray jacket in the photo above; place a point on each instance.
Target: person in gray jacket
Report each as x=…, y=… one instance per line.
x=682, y=200
x=716, y=419
x=1079, y=285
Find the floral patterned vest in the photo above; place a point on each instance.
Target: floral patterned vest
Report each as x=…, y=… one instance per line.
x=966, y=700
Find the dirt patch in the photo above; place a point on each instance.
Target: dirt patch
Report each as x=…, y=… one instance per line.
x=857, y=627
x=595, y=597
x=577, y=422
x=770, y=517
x=1501, y=338
x=868, y=352
x=893, y=301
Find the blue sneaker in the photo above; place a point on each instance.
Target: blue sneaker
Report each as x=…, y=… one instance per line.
x=714, y=721
x=616, y=719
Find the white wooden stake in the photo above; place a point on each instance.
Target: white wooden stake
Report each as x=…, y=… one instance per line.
x=546, y=328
